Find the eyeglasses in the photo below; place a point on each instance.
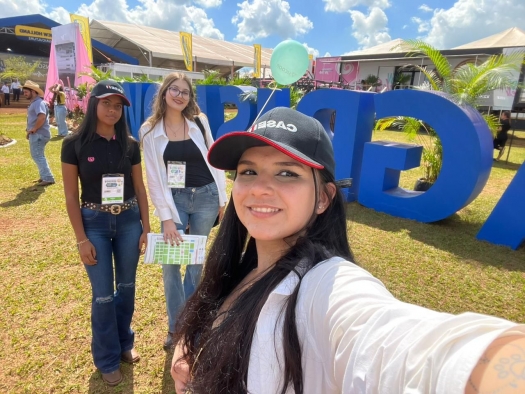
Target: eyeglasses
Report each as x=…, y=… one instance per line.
x=107, y=105
x=174, y=92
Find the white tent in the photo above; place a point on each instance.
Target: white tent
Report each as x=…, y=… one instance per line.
x=384, y=48
x=513, y=37
x=161, y=48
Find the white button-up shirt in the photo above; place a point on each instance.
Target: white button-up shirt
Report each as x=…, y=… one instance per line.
x=357, y=338
x=154, y=144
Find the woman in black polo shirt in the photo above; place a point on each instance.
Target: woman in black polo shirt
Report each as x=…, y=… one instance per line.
x=111, y=224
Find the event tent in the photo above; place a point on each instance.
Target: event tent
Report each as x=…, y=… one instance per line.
x=513, y=37
x=161, y=48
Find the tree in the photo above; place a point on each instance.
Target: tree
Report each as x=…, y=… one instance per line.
x=465, y=85
x=17, y=68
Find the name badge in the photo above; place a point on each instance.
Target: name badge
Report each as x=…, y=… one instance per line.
x=176, y=174
x=112, y=189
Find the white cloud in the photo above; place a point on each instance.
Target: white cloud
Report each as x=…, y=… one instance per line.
x=311, y=51
x=370, y=30
x=327, y=54
x=423, y=25
x=470, y=20
x=209, y=3
x=262, y=18
x=60, y=15
x=164, y=14
x=347, y=5
x=21, y=7
x=425, y=8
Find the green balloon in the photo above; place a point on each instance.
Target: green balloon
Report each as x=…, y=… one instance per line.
x=289, y=62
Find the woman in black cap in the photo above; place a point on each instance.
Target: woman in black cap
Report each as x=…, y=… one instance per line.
x=283, y=309
x=111, y=223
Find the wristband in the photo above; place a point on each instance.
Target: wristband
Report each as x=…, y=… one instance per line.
x=82, y=242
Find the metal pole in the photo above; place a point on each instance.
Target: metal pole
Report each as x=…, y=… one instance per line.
x=511, y=139
x=150, y=59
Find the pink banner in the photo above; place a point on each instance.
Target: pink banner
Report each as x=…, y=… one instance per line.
x=327, y=69
x=350, y=72
x=67, y=59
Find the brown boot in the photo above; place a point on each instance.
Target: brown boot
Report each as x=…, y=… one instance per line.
x=130, y=356
x=112, y=378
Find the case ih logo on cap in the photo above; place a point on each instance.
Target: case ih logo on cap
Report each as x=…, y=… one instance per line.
x=273, y=124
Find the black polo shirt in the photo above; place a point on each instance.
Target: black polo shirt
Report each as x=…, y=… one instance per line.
x=97, y=158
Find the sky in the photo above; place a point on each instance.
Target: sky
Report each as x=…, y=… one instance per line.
x=324, y=27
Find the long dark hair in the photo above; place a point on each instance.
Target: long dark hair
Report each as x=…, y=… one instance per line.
x=218, y=357
x=87, y=130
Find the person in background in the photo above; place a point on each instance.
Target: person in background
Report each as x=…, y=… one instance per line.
x=282, y=308
x=5, y=91
x=111, y=222
x=15, y=86
x=60, y=109
x=38, y=131
x=173, y=141
x=502, y=135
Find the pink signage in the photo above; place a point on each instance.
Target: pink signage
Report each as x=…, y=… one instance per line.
x=327, y=69
x=350, y=71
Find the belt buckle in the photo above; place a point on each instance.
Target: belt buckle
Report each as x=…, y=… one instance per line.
x=115, y=209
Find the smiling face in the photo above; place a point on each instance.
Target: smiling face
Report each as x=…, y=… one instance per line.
x=274, y=195
x=178, y=95
x=109, y=110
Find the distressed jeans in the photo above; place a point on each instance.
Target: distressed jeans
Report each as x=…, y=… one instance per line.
x=60, y=117
x=116, y=241
x=197, y=207
x=37, y=147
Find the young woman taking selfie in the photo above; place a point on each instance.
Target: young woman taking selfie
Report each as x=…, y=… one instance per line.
x=282, y=308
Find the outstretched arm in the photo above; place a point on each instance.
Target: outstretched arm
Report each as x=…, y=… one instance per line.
x=501, y=369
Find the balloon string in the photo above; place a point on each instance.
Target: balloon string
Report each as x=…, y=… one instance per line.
x=274, y=88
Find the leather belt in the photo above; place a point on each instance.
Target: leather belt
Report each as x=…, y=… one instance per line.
x=114, y=209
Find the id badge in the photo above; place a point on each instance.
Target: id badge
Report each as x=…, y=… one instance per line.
x=112, y=189
x=176, y=174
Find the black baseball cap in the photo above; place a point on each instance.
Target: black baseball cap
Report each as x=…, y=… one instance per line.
x=108, y=88
x=296, y=135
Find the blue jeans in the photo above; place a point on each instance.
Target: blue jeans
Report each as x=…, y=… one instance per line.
x=60, y=117
x=197, y=207
x=116, y=239
x=37, y=146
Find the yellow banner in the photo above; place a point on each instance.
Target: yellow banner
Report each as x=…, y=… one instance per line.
x=83, y=24
x=33, y=33
x=256, y=60
x=186, y=45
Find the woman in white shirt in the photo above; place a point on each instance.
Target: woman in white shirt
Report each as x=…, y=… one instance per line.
x=183, y=187
x=282, y=309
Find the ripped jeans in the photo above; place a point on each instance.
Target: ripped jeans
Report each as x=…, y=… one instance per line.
x=116, y=241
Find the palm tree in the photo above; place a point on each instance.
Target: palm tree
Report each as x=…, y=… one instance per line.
x=465, y=84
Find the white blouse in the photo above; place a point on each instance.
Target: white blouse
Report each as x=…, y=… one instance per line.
x=357, y=338
x=154, y=143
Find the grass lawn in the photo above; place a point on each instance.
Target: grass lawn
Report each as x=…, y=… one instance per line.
x=45, y=293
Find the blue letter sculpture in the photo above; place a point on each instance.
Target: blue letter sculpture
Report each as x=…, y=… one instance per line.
x=141, y=97
x=467, y=158
x=506, y=223
x=354, y=122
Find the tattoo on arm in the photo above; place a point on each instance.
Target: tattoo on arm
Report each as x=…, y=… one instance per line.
x=501, y=369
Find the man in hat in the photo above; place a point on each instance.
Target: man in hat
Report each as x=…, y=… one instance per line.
x=38, y=130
